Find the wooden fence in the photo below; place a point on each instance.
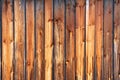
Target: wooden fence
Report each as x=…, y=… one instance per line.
x=59, y=39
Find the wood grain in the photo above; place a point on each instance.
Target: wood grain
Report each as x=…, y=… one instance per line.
x=30, y=39
x=7, y=40
x=48, y=39
x=80, y=39
x=19, y=39
x=59, y=40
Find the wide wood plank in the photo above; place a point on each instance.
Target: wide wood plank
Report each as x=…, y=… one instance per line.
x=98, y=38
x=7, y=40
x=59, y=39
x=30, y=39
x=48, y=39
x=70, y=55
x=80, y=38
x=116, y=39
x=107, y=66
x=19, y=39
x=40, y=67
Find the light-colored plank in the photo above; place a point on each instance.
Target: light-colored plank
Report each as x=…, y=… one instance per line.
x=116, y=38
x=7, y=40
x=90, y=35
x=80, y=28
x=99, y=37
x=48, y=39
x=70, y=55
x=40, y=73
x=59, y=40
x=30, y=39
x=19, y=39
x=107, y=66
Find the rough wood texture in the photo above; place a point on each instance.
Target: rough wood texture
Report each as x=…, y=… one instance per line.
x=48, y=39
x=19, y=40
x=40, y=75
x=107, y=40
x=7, y=40
x=90, y=35
x=80, y=38
x=98, y=38
x=59, y=40
x=70, y=55
x=116, y=39
x=30, y=39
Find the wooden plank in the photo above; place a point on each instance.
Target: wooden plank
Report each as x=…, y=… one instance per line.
x=80, y=38
x=7, y=40
x=48, y=39
x=90, y=35
x=40, y=74
x=70, y=55
x=30, y=39
x=116, y=38
x=59, y=40
x=19, y=40
x=107, y=66
x=99, y=38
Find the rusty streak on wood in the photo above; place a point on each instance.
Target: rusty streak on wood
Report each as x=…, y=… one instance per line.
x=59, y=40
x=99, y=37
x=40, y=75
x=7, y=40
x=30, y=39
x=80, y=28
x=19, y=40
x=116, y=39
x=90, y=35
x=107, y=40
x=70, y=55
x=48, y=39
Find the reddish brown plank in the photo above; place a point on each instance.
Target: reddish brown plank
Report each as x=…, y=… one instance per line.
x=80, y=36
x=59, y=39
x=19, y=39
x=30, y=39
x=7, y=40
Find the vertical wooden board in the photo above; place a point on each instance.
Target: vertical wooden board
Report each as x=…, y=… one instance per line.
x=99, y=37
x=116, y=38
x=59, y=39
x=39, y=40
x=80, y=38
x=107, y=66
x=19, y=39
x=90, y=35
x=7, y=40
x=30, y=39
x=48, y=39
x=70, y=55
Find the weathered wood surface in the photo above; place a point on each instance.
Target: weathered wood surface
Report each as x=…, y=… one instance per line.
x=7, y=40
x=19, y=39
x=107, y=41
x=59, y=40
x=80, y=39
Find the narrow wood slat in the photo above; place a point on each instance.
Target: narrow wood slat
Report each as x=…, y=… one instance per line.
x=70, y=55
x=107, y=66
x=116, y=38
x=99, y=37
x=40, y=70
x=48, y=39
x=7, y=40
x=19, y=39
x=30, y=39
x=90, y=35
x=80, y=38
x=59, y=40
